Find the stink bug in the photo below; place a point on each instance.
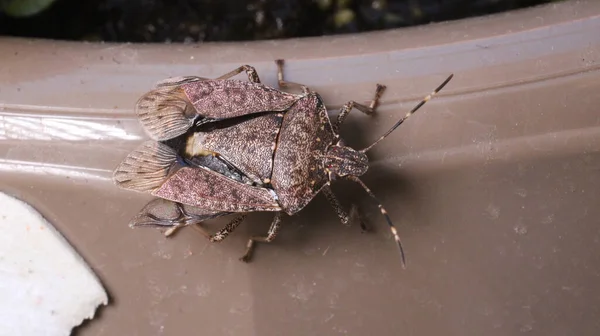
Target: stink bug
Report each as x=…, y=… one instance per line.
x=224, y=146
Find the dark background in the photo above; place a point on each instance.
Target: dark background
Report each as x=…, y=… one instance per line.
x=234, y=20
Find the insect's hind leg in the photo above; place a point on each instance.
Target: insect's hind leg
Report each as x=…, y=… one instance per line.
x=224, y=232
x=186, y=219
x=165, y=214
x=271, y=234
x=250, y=71
x=173, y=216
x=285, y=84
x=344, y=217
x=368, y=110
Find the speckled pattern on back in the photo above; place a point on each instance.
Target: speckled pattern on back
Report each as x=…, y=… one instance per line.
x=248, y=145
x=220, y=99
x=306, y=133
x=212, y=191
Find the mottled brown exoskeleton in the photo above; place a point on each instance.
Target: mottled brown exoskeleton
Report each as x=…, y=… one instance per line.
x=224, y=146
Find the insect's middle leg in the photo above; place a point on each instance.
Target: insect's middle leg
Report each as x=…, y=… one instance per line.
x=368, y=110
x=273, y=230
x=344, y=217
x=250, y=71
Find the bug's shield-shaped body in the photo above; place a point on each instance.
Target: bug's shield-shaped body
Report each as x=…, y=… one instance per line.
x=174, y=106
x=285, y=149
x=305, y=136
x=252, y=148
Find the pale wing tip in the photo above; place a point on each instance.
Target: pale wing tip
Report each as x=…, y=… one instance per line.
x=165, y=113
x=146, y=167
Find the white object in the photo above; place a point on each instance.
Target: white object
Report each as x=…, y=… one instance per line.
x=46, y=288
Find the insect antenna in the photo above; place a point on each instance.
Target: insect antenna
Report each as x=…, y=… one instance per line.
x=385, y=214
x=418, y=106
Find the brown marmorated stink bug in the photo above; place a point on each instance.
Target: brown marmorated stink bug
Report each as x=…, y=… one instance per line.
x=223, y=146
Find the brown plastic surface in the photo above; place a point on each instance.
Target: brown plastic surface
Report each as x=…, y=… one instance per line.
x=493, y=185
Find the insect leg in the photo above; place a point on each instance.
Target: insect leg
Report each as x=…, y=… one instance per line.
x=285, y=84
x=275, y=225
x=335, y=204
x=161, y=213
x=170, y=231
x=344, y=217
x=368, y=110
x=224, y=232
x=250, y=71
x=185, y=219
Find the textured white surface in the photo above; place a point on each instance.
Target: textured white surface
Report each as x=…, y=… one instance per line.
x=46, y=288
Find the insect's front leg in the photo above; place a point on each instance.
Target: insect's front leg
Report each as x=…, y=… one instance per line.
x=273, y=230
x=250, y=71
x=285, y=84
x=344, y=217
x=368, y=110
